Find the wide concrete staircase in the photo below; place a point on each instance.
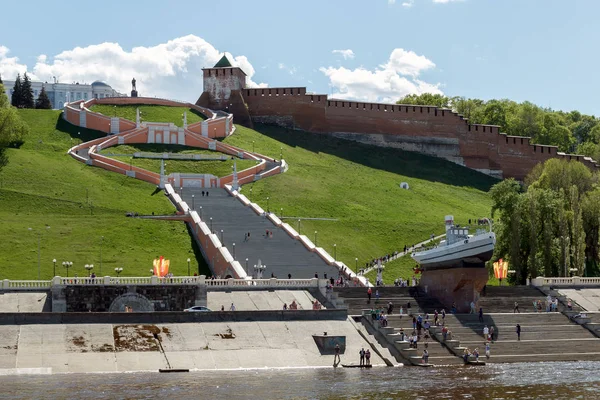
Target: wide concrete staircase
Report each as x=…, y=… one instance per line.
x=499, y=299
x=544, y=337
x=355, y=298
x=281, y=254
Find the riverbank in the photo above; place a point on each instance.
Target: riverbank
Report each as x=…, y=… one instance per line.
x=104, y=348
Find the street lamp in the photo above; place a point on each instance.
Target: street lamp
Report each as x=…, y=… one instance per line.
x=334, y=252
x=298, y=225
x=54, y=269
x=250, y=194
x=221, y=236
x=234, y=251
x=118, y=271
x=188, y=260
x=356, y=264
x=101, y=243
x=200, y=212
x=252, y=149
x=88, y=267
x=280, y=153
x=247, y=266
x=67, y=265
x=315, y=238
x=211, y=228
x=281, y=213
x=193, y=203
x=267, y=204
x=180, y=191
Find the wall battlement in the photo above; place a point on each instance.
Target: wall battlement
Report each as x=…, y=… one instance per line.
x=430, y=130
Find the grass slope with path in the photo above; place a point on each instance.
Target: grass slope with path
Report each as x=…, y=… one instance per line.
x=217, y=168
x=43, y=186
x=150, y=113
x=359, y=185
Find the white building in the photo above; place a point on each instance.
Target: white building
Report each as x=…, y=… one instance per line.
x=59, y=93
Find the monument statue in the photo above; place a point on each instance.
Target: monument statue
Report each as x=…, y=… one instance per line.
x=134, y=92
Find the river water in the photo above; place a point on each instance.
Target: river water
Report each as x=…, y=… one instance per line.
x=562, y=380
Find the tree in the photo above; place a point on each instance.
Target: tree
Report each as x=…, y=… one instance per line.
x=12, y=128
x=1, y=83
x=17, y=96
x=27, y=93
x=426, y=99
x=43, y=102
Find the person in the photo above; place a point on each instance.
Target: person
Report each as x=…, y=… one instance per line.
x=232, y=307
x=367, y=357
x=408, y=308
x=248, y=235
x=376, y=296
x=445, y=332
x=285, y=307
x=476, y=354
x=337, y=354
x=425, y=356
x=481, y=314
x=516, y=308
x=369, y=292
x=466, y=355
x=362, y=356
x=390, y=308
x=491, y=333
x=222, y=308
x=487, y=351
x=414, y=322
x=472, y=311
x=316, y=275
x=569, y=305
x=518, y=332
x=486, y=332
x=443, y=316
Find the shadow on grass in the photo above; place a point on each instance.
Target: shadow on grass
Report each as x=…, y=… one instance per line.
x=77, y=132
x=397, y=161
x=203, y=268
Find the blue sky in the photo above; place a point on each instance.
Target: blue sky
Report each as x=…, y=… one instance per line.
x=542, y=51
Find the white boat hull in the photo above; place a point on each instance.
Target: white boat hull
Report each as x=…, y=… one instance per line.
x=472, y=252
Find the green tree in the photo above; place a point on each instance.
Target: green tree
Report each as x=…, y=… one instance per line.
x=27, y=93
x=426, y=99
x=17, y=95
x=591, y=224
x=12, y=128
x=589, y=149
x=577, y=233
x=43, y=102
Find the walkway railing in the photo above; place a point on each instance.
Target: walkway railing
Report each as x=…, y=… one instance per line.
x=574, y=281
x=154, y=280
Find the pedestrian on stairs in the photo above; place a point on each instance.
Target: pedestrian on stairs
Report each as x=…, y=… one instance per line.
x=362, y=356
x=487, y=351
x=481, y=314
x=516, y=309
x=425, y=356
x=518, y=329
x=369, y=292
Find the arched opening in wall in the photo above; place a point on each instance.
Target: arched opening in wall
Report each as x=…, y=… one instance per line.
x=228, y=276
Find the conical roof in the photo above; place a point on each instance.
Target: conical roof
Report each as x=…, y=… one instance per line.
x=223, y=62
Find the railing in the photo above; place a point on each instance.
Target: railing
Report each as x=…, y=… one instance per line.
x=562, y=281
x=154, y=280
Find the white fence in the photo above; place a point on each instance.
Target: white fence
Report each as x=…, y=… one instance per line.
x=574, y=281
x=154, y=280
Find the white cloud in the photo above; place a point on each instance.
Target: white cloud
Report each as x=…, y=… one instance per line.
x=172, y=69
x=386, y=83
x=408, y=3
x=344, y=53
x=281, y=65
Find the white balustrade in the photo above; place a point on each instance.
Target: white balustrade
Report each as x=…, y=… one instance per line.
x=563, y=281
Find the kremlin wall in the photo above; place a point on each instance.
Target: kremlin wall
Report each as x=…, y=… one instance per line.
x=424, y=129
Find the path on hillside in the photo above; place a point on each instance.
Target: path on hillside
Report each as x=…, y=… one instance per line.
x=403, y=253
x=281, y=254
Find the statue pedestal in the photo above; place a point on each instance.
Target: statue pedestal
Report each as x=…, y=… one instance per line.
x=134, y=93
x=455, y=285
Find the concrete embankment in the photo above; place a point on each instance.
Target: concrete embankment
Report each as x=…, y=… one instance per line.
x=133, y=345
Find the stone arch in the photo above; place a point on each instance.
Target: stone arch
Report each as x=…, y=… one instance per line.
x=137, y=302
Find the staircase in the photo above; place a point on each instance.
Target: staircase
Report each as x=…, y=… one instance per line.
x=355, y=299
x=281, y=254
x=501, y=299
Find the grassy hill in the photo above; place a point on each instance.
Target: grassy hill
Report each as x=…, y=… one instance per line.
x=150, y=113
x=355, y=184
x=43, y=186
x=359, y=185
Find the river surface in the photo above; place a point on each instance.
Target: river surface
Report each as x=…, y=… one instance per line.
x=564, y=380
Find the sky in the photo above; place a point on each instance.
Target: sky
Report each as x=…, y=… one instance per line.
x=543, y=51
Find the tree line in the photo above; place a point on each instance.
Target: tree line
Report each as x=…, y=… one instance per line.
x=549, y=225
x=12, y=128
x=571, y=132
x=22, y=96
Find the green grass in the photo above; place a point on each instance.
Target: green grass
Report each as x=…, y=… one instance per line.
x=150, y=113
x=359, y=186
x=43, y=186
x=216, y=168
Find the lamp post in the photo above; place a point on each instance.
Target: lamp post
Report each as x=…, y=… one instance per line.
x=54, y=269
x=193, y=203
x=298, y=225
x=247, y=266
x=180, y=191
x=356, y=264
x=315, y=238
x=234, y=251
x=188, y=260
x=89, y=268
x=252, y=149
x=211, y=228
x=221, y=236
x=67, y=265
x=101, y=243
x=335, y=252
x=200, y=212
x=267, y=204
x=118, y=271
x=280, y=153
x=281, y=213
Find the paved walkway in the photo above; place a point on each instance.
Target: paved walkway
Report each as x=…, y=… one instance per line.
x=281, y=254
